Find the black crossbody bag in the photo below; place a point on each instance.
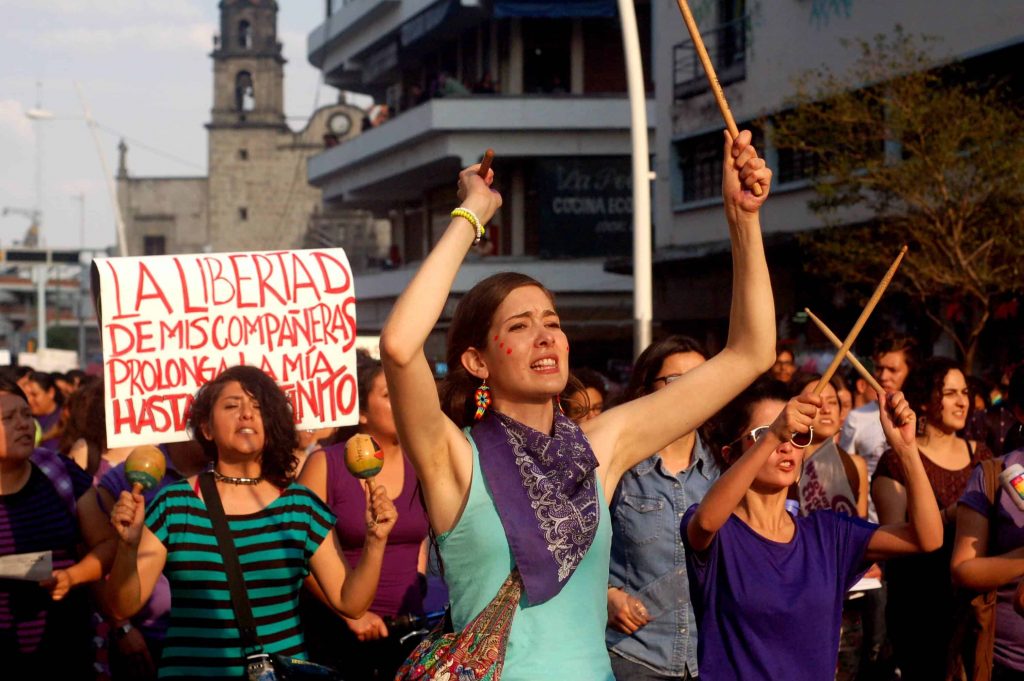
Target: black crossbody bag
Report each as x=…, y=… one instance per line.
x=259, y=664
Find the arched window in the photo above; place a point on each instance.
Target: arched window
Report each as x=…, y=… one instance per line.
x=245, y=94
x=244, y=34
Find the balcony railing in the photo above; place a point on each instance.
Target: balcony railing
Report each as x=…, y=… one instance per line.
x=727, y=47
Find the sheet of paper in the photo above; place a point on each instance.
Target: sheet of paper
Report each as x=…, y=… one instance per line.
x=31, y=567
x=866, y=584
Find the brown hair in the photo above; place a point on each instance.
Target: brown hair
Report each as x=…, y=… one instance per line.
x=469, y=327
x=277, y=461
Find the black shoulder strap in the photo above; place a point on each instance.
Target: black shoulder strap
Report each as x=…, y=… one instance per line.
x=233, y=569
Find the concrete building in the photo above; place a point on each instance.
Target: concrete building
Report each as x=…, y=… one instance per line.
x=760, y=50
x=256, y=195
x=544, y=85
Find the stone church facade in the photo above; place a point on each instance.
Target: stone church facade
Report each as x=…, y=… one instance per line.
x=256, y=196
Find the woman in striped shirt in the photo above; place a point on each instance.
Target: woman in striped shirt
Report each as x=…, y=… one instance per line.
x=282, y=532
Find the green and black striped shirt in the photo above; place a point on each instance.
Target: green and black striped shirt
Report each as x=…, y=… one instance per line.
x=274, y=548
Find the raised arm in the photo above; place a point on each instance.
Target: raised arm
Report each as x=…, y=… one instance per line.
x=428, y=438
x=923, y=530
x=624, y=436
x=139, y=560
x=350, y=591
x=727, y=492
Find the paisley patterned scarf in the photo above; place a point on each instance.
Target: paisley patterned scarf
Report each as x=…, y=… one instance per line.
x=545, y=490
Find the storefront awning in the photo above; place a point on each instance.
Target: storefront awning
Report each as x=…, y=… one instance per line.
x=554, y=10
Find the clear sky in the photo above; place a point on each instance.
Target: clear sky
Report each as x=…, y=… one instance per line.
x=145, y=71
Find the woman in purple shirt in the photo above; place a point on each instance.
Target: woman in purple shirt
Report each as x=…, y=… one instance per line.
x=988, y=554
x=767, y=587
x=365, y=648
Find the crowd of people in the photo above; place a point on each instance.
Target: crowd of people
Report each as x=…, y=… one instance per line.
x=726, y=515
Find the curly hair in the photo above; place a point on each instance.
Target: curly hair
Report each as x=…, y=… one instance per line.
x=472, y=319
x=924, y=386
x=277, y=460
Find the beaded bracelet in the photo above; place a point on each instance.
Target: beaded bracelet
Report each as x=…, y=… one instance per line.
x=470, y=217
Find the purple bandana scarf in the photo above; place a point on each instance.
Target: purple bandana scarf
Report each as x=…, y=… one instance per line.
x=545, y=491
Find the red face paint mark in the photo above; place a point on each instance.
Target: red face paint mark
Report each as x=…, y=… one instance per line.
x=495, y=338
x=501, y=345
x=509, y=351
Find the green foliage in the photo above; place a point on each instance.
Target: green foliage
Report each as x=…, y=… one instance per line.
x=920, y=155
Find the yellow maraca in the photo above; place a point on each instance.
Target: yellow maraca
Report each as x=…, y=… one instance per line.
x=364, y=458
x=145, y=467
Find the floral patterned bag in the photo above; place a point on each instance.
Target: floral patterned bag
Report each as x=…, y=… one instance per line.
x=477, y=653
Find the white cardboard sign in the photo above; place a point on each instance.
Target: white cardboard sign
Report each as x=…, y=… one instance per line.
x=172, y=323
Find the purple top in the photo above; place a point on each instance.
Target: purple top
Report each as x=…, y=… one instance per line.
x=45, y=423
x=35, y=518
x=770, y=610
x=545, y=490
x=154, y=616
x=1006, y=532
x=399, y=590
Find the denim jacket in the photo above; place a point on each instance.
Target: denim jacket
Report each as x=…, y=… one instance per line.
x=648, y=559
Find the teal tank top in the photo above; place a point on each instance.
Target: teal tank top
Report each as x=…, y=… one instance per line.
x=562, y=638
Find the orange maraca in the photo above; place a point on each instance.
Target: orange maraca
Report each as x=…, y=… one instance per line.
x=364, y=458
x=145, y=467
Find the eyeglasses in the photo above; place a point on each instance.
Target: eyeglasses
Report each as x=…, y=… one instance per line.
x=670, y=378
x=755, y=435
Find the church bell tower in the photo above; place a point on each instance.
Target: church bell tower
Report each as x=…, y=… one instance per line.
x=248, y=69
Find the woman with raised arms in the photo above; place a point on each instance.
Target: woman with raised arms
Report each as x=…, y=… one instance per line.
x=767, y=587
x=523, y=486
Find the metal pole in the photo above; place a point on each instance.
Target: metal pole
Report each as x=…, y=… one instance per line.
x=40, y=272
x=642, y=286
x=122, y=240
x=83, y=283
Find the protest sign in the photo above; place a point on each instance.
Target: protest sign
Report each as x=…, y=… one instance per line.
x=49, y=359
x=172, y=323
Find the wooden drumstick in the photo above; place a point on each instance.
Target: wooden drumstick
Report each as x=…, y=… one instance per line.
x=868, y=309
x=864, y=373
x=709, y=70
x=485, y=163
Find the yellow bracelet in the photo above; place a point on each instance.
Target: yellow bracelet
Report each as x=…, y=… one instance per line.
x=469, y=216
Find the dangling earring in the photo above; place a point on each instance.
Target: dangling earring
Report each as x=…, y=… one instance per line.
x=482, y=397
x=558, y=403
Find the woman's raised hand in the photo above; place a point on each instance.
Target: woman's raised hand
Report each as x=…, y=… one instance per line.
x=380, y=514
x=128, y=516
x=899, y=423
x=475, y=193
x=741, y=170
x=796, y=417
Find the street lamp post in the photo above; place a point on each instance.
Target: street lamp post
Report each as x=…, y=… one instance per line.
x=37, y=115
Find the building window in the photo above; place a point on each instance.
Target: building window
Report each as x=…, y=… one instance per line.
x=700, y=165
x=726, y=44
x=245, y=93
x=243, y=154
x=244, y=34
x=154, y=245
x=796, y=165
x=243, y=214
